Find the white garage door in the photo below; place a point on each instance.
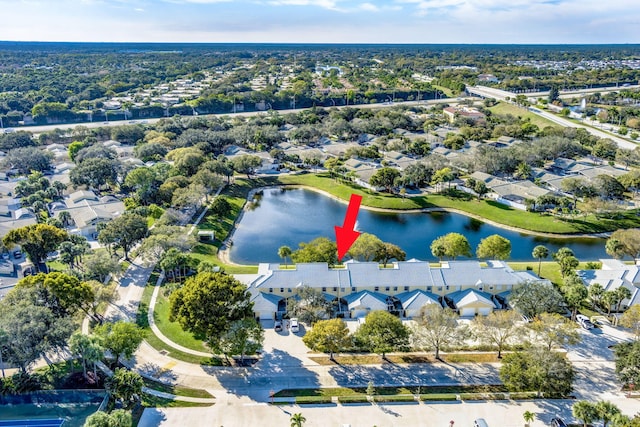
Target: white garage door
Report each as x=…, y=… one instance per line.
x=359, y=312
x=467, y=312
x=484, y=311
x=265, y=315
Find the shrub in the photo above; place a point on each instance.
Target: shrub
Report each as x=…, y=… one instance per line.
x=438, y=397
x=353, y=399
x=301, y=400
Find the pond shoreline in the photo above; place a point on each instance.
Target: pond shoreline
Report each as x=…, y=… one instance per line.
x=441, y=209
x=224, y=253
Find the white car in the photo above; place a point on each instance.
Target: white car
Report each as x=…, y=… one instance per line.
x=294, y=325
x=584, y=321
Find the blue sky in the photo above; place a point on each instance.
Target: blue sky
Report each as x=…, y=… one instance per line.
x=323, y=21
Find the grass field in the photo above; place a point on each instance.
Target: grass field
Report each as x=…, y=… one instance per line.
x=504, y=108
x=390, y=391
x=236, y=194
x=549, y=269
x=488, y=209
x=173, y=330
x=177, y=390
x=156, y=342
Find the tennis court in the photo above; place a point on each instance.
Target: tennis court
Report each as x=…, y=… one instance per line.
x=33, y=423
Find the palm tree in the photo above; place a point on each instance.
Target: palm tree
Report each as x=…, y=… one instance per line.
x=60, y=187
x=622, y=293
x=609, y=298
x=606, y=411
x=620, y=420
x=297, y=420
x=528, y=417
x=585, y=411
x=540, y=252
x=523, y=171
x=595, y=294
x=65, y=218
x=284, y=252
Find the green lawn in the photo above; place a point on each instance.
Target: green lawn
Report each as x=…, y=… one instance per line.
x=236, y=194
x=448, y=92
x=173, y=330
x=158, y=344
x=549, y=269
x=149, y=401
x=177, y=390
x=488, y=209
x=504, y=108
x=389, y=391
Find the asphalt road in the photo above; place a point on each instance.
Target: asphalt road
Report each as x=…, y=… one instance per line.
x=502, y=95
x=92, y=125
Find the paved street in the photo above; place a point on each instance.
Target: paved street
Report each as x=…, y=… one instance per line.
x=242, y=393
x=502, y=95
x=237, y=413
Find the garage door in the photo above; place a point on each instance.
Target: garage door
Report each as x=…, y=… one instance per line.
x=467, y=312
x=265, y=315
x=359, y=312
x=484, y=311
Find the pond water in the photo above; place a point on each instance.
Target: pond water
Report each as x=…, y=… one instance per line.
x=290, y=216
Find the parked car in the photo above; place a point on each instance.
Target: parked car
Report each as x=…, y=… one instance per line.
x=480, y=422
x=295, y=325
x=277, y=326
x=5, y=256
x=557, y=422
x=17, y=254
x=584, y=321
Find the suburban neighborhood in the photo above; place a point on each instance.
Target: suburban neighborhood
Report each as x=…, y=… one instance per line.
x=171, y=248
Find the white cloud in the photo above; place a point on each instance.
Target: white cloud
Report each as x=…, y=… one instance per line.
x=325, y=4
x=369, y=7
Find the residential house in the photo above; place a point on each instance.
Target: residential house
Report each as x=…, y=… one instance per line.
x=510, y=193
x=363, y=172
x=452, y=113
x=405, y=287
x=487, y=78
x=87, y=210
x=613, y=275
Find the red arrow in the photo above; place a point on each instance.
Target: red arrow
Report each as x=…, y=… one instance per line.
x=346, y=235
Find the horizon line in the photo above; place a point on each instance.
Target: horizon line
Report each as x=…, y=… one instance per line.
x=318, y=43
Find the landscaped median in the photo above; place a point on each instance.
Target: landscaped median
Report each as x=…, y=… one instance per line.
x=359, y=395
x=375, y=359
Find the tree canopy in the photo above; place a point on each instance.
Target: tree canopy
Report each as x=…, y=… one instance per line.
x=36, y=240
x=124, y=232
x=208, y=303
x=451, y=245
x=317, y=250
x=535, y=298
x=382, y=332
x=328, y=336
x=494, y=247
x=538, y=370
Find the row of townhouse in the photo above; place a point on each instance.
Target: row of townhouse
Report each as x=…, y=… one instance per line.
x=358, y=288
x=613, y=275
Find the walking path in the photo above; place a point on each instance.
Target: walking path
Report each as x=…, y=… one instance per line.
x=158, y=332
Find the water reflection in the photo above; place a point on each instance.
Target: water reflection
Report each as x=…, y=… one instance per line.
x=474, y=224
x=296, y=215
